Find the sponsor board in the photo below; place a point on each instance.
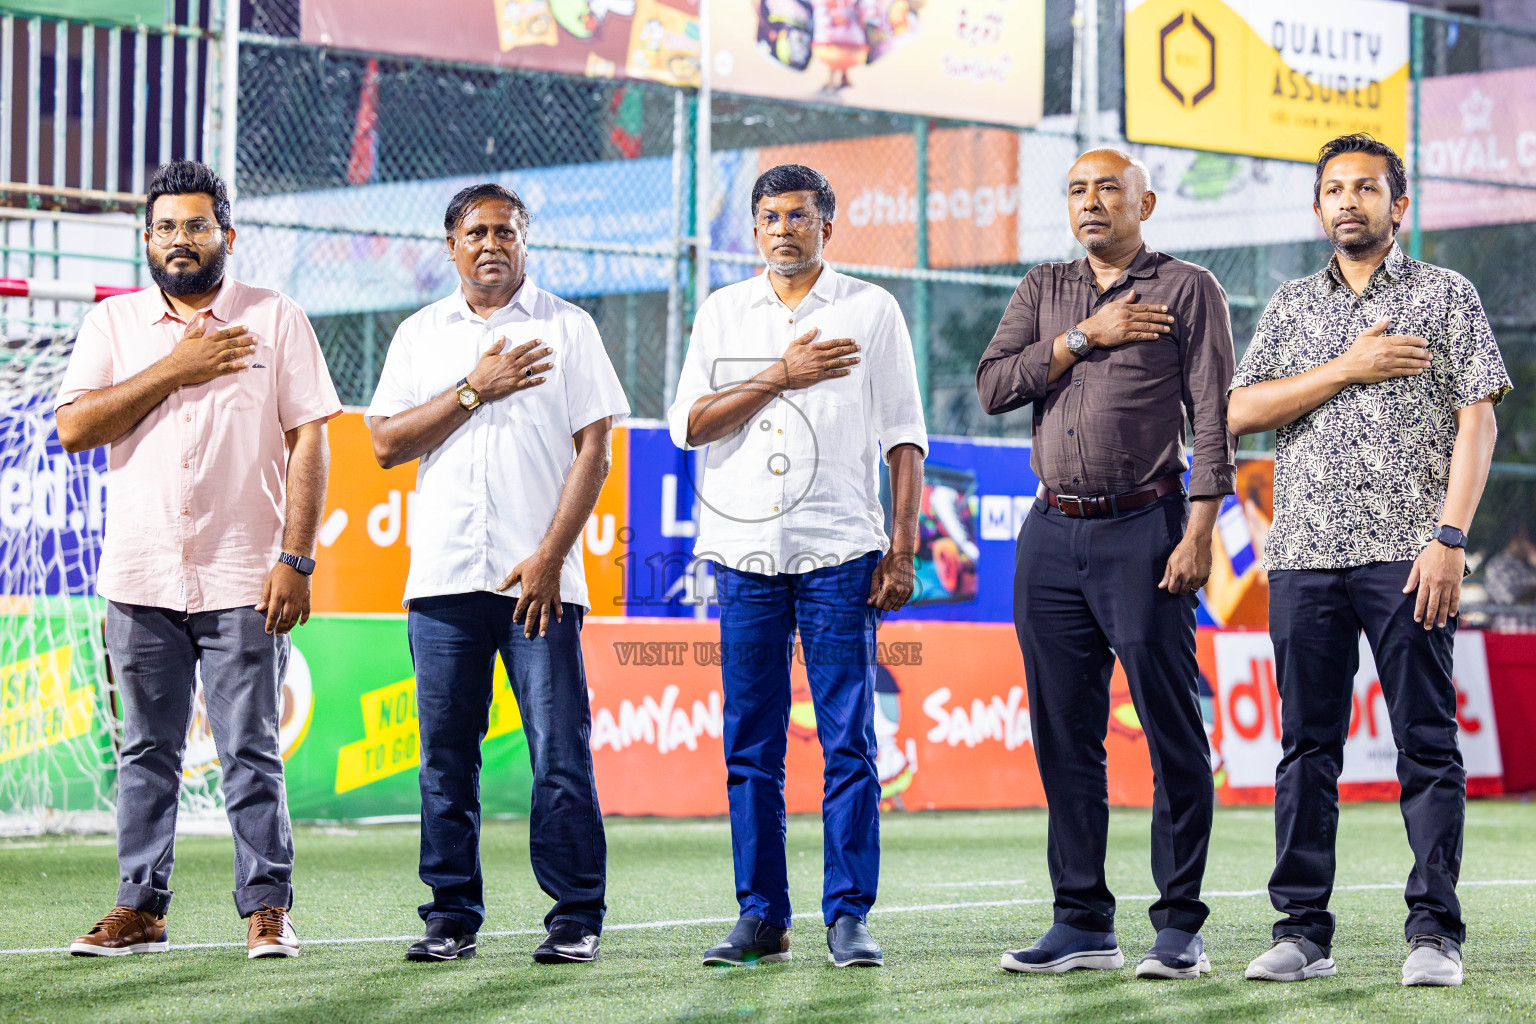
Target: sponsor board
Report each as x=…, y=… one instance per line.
x=1265, y=79
x=1247, y=727
x=1477, y=128
x=973, y=60
x=653, y=40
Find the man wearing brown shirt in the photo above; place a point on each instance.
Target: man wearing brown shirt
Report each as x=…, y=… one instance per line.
x=1113, y=352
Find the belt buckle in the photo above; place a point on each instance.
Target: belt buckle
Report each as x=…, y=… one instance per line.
x=1077, y=503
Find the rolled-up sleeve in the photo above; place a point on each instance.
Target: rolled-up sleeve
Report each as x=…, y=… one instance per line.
x=896, y=402
x=1209, y=362
x=694, y=381
x=1015, y=369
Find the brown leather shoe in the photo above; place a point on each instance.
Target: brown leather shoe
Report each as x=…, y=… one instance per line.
x=271, y=934
x=122, y=932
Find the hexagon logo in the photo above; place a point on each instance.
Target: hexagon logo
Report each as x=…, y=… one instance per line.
x=1186, y=59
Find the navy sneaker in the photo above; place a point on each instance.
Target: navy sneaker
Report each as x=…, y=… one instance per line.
x=750, y=942
x=1175, y=954
x=1065, y=948
x=849, y=944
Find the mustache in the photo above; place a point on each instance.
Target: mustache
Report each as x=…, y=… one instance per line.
x=183, y=253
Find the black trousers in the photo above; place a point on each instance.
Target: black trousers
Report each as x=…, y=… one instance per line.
x=1315, y=620
x=1085, y=592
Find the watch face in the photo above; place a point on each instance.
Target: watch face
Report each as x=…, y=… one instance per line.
x=468, y=397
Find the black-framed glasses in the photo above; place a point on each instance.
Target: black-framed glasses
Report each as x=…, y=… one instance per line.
x=198, y=229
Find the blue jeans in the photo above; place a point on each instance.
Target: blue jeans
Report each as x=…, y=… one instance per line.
x=153, y=654
x=759, y=616
x=454, y=643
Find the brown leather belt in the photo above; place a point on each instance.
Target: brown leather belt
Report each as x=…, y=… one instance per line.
x=1090, y=507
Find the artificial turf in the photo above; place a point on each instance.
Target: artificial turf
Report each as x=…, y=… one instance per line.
x=956, y=890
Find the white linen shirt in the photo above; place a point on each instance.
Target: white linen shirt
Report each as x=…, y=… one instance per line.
x=486, y=496
x=797, y=487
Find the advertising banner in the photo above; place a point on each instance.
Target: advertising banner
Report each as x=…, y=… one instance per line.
x=973, y=60
x=318, y=246
x=654, y=40
x=1246, y=723
x=1265, y=79
x=1479, y=128
x=1205, y=200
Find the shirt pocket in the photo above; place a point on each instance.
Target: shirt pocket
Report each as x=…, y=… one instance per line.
x=250, y=388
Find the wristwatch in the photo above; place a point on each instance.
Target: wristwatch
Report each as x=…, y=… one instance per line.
x=469, y=398
x=1450, y=536
x=1078, y=343
x=298, y=562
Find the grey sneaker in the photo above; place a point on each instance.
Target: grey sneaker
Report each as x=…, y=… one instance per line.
x=1291, y=958
x=1432, y=960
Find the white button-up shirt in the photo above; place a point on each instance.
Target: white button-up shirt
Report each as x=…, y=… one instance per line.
x=797, y=487
x=486, y=496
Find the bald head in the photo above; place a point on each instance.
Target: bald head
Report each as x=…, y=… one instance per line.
x=1128, y=167
x=1109, y=194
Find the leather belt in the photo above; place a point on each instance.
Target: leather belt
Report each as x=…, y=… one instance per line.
x=1081, y=506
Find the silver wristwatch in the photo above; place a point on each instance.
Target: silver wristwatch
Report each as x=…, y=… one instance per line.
x=1077, y=342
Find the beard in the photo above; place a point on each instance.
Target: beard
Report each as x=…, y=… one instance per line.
x=1369, y=239
x=790, y=268
x=202, y=277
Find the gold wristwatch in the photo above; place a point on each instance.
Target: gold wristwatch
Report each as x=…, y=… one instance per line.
x=469, y=398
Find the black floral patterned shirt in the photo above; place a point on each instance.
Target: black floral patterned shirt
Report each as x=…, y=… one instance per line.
x=1362, y=477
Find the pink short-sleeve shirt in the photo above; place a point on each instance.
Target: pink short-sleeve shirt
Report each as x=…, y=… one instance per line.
x=195, y=491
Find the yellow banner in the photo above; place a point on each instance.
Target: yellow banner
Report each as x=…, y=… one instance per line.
x=37, y=707
x=391, y=743
x=1265, y=79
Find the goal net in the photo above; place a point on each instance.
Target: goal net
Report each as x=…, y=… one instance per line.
x=59, y=722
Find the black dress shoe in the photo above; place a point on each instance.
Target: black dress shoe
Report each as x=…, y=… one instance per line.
x=750, y=942
x=849, y=944
x=446, y=939
x=568, y=942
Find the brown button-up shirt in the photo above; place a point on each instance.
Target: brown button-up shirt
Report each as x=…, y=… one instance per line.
x=1115, y=420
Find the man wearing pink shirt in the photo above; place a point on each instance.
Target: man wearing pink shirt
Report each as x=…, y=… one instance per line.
x=213, y=397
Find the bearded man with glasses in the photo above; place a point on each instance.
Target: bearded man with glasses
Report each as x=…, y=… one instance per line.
x=212, y=397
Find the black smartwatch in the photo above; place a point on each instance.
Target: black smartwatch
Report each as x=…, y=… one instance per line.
x=1450, y=537
x=299, y=562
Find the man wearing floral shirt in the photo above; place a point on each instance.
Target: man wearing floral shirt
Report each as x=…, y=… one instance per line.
x=1379, y=375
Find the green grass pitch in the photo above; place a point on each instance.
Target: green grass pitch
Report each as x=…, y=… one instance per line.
x=956, y=890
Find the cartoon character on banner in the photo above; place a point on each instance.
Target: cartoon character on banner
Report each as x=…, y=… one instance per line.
x=841, y=34
x=533, y=22
x=895, y=761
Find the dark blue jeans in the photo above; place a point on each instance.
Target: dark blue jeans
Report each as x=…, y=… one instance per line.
x=759, y=616
x=454, y=643
x=1315, y=620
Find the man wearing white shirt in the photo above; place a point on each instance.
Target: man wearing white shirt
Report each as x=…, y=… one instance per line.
x=506, y=395
x=799, y=381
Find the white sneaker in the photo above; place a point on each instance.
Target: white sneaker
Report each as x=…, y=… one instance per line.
x=1291, y=958
x=1432, y=960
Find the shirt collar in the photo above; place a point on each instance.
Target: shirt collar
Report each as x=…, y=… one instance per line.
x=525, y=298
x=1392, y=268
x=1144, y=264
x=824, y=288
x=157, y=308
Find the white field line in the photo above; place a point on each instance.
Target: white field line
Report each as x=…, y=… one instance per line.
x=916, y=909
x=975, y=885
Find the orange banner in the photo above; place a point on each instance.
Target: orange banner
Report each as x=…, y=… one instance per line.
x=365, y=534
x=948, y=738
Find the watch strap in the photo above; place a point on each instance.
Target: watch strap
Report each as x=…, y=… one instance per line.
x=298, y=562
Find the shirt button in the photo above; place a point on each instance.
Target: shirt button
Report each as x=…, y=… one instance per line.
x=1074, y=479
x=791, y=319
x=1077, y=383
x=186, y=465
x=775, y=508
x=1069, y=431
x=189, y=417
x=780, y=431
x=186, y=511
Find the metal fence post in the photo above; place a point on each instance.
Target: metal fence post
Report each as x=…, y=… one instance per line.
x=920, y=337
x=1416, y=69
x=703, y=184
x=229, y=95
x=674, y=339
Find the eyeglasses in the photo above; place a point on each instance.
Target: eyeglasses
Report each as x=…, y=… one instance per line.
x=197, y=229
x=796, y=220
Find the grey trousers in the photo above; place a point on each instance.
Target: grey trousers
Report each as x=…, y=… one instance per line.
x=153, y=653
